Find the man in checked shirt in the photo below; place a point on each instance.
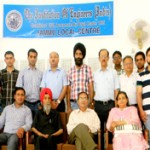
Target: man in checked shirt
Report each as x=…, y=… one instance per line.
x=79, y=78
x=8, y=78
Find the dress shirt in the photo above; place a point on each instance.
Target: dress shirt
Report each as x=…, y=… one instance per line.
x=88, y=117
x=78, y=80
x=55, y=81
x=8, y=83
x=105, y=83
x=128, y=85
x=13, y=118
x=30, y=80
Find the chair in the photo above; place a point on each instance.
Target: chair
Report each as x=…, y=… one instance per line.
x=61, y=146
x=20, y=144
x=65, y=145
x=110, y=147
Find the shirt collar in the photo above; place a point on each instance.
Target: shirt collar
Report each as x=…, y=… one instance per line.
x=29, y=68
x=87, y=110
x=58, y=68
x=100, y=69
x=22, y=106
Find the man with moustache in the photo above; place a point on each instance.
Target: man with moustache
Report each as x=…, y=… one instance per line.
x=79, y=78
x=55, y=78
x=143, y=93
x=46, y=125
x=106, y=86
x=139, y=61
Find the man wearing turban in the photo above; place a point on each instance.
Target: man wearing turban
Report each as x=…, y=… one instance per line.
x=46, y=125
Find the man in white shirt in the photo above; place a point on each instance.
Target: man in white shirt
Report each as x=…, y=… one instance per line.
x=82, y=124
x=128, y=80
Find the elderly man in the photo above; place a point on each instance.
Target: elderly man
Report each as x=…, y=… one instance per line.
x=15, y=118
x=82, y=124
x=46, y=125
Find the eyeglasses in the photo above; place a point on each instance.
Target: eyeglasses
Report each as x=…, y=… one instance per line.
x=127, y=64
x=103, y=57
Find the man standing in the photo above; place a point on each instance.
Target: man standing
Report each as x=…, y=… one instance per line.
x=79, y=78
x=30, y=79
x=143, y=93
x=106, y=86
x=83, y=124
x=8, y=78
x=16, y=119
x=128, y=80
x=140, y=61
x=55, y=79
x=117, y=59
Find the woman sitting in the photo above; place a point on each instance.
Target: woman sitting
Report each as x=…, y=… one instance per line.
x=124, y=122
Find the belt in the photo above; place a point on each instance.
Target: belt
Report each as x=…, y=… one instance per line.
x=104, y=102
x=33, y=103
x=73, y=100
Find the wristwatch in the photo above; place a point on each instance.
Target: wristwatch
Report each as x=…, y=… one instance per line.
x=58, y=101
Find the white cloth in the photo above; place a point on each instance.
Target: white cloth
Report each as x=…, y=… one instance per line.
x=128, y=85
x=105, y=83
x=88, y=117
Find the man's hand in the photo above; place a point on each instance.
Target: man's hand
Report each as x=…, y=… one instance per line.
x=143, y=115
x=54, y=104
x=45, y=136
x=20, y=132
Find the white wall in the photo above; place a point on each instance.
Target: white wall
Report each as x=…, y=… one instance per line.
x=125, y=11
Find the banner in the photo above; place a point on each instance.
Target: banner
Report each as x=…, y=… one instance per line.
x=55, y=21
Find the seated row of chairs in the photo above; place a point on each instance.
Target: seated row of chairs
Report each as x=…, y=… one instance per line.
x=27, y=142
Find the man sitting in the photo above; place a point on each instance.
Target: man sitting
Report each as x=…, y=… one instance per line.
x=46, y=124
x=82, y=124
x=15, y=118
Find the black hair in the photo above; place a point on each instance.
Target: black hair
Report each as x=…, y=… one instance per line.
x=9, y=53
x=82, y=93
x=19, y=88
x=117, y=52
x=139, y=53
x=33, y=51
x=147, y=51
x=128, y=56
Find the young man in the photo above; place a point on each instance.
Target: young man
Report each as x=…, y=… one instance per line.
x=140, y=61
x=117, y=59
x=8, y=78
x=15, y=119
x=30, y=79
x=143, y=93
x=82, y=124
x=46, y=125
x=79, y=78
x=55, y=78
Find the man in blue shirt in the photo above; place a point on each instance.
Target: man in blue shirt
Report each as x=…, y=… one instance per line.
x=55, y=79
x=30, y=79
x=15, y=119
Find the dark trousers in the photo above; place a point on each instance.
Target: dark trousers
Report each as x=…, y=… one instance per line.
x=102, y=110
x=61, y=107
x=42, y=143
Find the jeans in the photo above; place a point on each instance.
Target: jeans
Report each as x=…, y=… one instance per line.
x=11, y=140
x=74, y=105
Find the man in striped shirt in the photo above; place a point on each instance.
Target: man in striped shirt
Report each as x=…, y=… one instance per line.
x=143, y=93
x=8, y=78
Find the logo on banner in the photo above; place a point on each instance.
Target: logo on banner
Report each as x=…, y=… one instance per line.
x=14, y=20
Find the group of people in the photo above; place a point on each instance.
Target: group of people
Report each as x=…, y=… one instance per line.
x=83, y=90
